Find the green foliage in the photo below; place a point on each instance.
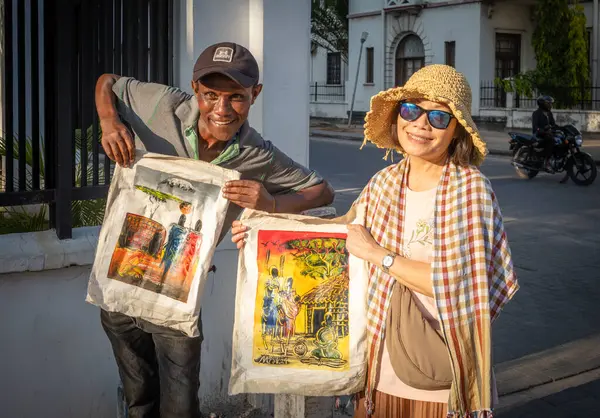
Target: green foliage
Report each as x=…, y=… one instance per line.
x=329, y=25
x=15, y=219
x=560, y=44
x=321, y=258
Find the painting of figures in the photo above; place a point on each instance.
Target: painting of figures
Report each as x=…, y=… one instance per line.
x=301, y=310
x=158, y=249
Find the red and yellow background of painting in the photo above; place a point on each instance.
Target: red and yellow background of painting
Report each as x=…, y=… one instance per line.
x=302, y=284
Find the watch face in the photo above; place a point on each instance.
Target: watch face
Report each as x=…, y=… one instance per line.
x=387, y=261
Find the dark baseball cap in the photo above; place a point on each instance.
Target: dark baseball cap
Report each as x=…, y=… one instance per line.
x=229, y=59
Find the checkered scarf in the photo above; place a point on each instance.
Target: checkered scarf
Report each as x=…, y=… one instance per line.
x=472, y=275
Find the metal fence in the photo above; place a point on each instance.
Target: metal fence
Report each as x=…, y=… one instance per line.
x=327, y=93
x=54, y=52
x=587, y=97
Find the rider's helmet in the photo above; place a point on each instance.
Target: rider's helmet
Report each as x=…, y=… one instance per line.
x=545, y=102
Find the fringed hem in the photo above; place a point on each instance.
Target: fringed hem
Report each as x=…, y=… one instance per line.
x=485, y=413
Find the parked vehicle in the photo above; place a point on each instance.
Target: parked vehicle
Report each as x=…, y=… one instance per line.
x=528, y=157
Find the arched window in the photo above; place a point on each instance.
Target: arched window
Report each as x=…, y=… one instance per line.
x=410, y=57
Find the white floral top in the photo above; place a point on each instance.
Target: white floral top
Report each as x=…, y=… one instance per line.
x=417, y=244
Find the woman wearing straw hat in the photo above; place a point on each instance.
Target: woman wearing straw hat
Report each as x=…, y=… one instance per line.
x=440, y=265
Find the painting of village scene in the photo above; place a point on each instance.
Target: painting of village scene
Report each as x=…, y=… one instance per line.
x=158, y=248
x=301, y=314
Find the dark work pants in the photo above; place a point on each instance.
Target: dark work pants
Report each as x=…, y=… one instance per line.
x=548, y=143
x=159, y=367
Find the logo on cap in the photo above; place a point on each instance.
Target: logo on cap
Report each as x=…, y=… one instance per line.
x=223, y=54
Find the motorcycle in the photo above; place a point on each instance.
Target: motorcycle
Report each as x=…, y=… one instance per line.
x=528, y=158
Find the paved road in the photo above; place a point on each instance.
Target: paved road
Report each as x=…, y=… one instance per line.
x=554, y=232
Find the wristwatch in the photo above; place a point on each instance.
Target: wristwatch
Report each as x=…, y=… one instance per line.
x=387, y=262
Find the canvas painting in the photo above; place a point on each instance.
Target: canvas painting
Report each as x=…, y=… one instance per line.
x=300, y=310
x=163, y=218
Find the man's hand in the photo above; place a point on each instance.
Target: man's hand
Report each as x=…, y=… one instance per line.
x=249, y=194
x=117, y=142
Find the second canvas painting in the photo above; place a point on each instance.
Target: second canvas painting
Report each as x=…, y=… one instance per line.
x=300, y=320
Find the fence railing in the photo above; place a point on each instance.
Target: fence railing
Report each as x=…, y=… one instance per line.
x=494, y=96
x=51, y=135
x=327, y=93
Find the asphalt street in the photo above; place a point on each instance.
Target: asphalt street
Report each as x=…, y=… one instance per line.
x=554, y=233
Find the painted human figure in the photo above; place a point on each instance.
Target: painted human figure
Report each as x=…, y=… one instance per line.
x=269, y=316
x=326, y=340
x=289, y=312
x=177, y=237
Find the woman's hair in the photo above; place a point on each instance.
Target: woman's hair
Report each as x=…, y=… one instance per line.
x=461, y=151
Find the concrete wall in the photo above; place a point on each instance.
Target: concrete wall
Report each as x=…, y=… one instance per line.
x=55, y=361
x=329, y=110
x=585, y=121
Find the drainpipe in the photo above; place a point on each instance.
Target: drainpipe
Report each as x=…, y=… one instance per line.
x=595, y=45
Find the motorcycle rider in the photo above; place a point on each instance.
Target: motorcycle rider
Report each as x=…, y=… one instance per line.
x=542, y=124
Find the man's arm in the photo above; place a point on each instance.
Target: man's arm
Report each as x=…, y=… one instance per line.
x=286, y=187
x=117, y=141
x=252, y=194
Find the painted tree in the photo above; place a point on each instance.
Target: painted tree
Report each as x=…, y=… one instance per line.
x=321, y=258
x=561, y=50
x=329, y=25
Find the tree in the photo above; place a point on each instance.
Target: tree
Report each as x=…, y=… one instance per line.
x=329, y=25
x=560, y=44
x=321, y=258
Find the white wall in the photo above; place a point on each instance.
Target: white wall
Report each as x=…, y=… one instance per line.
x=55, y=360
x=318, y=67
x=435, y=26
x=589, y=16
x=506, y=18
x=363, y=6
x=373, y=25
x=460, y=24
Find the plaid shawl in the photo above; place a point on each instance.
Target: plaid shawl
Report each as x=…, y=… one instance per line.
x=472, y=275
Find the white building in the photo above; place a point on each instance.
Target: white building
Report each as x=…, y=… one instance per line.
x=483, y=39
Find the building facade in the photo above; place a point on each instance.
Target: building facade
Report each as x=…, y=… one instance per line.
x=483, y=39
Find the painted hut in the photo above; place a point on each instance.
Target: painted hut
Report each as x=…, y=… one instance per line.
x=329, y=296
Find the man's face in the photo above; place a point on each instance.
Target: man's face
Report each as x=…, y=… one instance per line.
x=224, y=105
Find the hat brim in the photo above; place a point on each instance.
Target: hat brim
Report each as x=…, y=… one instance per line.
x=384, y=113
x=235, y=75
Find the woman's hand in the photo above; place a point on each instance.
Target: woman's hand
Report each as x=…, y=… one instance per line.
x=361, y=244
x=239, y=234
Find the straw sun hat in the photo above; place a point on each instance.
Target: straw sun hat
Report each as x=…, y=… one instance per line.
x=437, y=83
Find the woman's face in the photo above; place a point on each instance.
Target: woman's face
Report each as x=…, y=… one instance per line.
x=419, y=139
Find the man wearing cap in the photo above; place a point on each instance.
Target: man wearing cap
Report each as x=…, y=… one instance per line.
x=160, y=367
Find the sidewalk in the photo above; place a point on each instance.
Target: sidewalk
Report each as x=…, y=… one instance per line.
x=497, y=141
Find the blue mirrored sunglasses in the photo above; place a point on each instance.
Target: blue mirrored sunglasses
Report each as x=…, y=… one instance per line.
x=437, y=118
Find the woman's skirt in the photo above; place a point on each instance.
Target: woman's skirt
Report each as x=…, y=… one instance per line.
x=389, y=406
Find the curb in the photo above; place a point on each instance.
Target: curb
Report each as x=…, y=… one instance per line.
x=321, y=134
